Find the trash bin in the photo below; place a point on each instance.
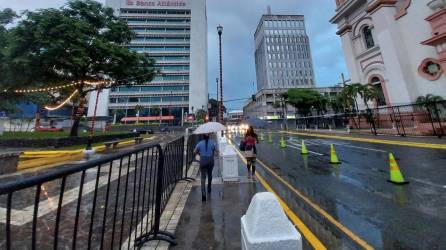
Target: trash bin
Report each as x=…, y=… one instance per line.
x=229, y=164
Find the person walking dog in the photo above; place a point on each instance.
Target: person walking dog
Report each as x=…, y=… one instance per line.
x=206, y=149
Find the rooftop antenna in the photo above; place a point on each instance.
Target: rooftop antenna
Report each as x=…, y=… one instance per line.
x=269, y=10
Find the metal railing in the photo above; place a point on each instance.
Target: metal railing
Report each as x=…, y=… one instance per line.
x=110, y=203
x=426, y=119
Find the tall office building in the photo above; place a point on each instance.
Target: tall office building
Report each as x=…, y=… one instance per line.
x=283, y=56
x=174, y=33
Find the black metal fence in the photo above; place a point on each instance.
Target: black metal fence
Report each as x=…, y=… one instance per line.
x=110, y=203
x=427, y=119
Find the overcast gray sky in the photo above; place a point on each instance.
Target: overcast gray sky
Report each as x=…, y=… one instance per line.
x=239, y=19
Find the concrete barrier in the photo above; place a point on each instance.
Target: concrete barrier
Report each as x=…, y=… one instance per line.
x=265, y=226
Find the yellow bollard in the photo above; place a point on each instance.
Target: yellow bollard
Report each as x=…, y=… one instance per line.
x=333, y=156
x=270, y=138
x=262, y=138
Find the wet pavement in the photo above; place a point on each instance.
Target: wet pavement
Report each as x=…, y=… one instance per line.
x=356, y=193
x=121, y=193
x=215, y=224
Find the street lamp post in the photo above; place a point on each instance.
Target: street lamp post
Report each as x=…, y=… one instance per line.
x=220, y=32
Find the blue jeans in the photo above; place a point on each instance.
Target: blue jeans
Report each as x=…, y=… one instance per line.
x=206, y=168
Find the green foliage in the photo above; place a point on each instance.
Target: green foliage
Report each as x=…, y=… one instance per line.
x=213, y=111
x=429, y=98
x=77, y=43
x=306, y=99
x=201, y=114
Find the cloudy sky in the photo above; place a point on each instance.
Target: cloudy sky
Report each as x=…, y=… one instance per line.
x=239, y=19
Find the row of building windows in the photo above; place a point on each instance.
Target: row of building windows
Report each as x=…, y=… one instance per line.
x=281, y=48
x=290, y=64
x=291, y=73
x=151, y=88
x=291, y=82
x=156, y=12
x=285, y=32
x=299, y=48
x=161, y=30
x=160, y=39
x=292, y=56
x=160, y=48
x=171, y=78
x=149, y=99
x=287, y=39
x=170, y=58
x=156, y=21
x=284, y=24
x=173, y=68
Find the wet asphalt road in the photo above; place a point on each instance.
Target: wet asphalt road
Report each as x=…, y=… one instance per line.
x=356, y=193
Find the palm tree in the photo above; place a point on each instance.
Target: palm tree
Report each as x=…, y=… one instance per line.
x=367, y=93
x=429, y=98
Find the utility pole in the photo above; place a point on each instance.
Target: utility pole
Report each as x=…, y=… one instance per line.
x=220, y=32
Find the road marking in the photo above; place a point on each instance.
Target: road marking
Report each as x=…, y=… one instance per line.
x=309, y=236
x=300, y=148
x=344, y=229
x=380, y=141
x=321, y=211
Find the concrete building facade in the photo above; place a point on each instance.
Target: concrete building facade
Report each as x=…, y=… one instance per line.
x=283, y=55
x=398, y=46
x=174, y=33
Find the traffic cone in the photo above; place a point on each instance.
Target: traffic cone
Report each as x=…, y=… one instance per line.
x=270, y=138
x=282, y=143
x=395, y=174
x=333, y=157
x=304, y=148
x=262, y=138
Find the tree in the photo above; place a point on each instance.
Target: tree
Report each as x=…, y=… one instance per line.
x=282, y=105
x=213, y=111
x=429, y=98
x=80, y=43
x=303, y=100
x=367, y=93
x=157, y=111
x=201, y=115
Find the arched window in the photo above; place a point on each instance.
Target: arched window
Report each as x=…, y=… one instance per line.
x=368, y=37
x=376, y=83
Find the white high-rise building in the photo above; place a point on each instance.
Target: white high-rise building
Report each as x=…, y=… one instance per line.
x=283, y=54
x=174, y=33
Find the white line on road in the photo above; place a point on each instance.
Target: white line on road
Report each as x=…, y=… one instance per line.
x=298, y=147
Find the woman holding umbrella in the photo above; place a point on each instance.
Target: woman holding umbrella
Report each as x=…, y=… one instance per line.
x=207, y=149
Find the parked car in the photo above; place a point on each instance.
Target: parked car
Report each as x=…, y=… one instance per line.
x=164, y=130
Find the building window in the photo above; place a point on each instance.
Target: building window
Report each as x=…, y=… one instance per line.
x=368, y=37
x=377, y=85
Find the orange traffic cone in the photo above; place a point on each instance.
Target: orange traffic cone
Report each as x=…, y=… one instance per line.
x=395, y=174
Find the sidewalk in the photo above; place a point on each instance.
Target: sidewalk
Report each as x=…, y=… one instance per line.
x=214, y=224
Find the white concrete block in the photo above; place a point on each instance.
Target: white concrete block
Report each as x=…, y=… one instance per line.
x=229, y=164
x=265, y=226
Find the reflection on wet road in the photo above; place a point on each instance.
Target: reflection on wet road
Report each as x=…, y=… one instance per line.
x=356, y=192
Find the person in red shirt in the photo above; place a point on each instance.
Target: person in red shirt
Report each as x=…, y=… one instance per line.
x=251, y=140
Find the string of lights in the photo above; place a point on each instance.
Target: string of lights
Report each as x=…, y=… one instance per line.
x=63, y=103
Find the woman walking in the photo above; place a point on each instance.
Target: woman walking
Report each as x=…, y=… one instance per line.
x=251, y=150
x=206, y=148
